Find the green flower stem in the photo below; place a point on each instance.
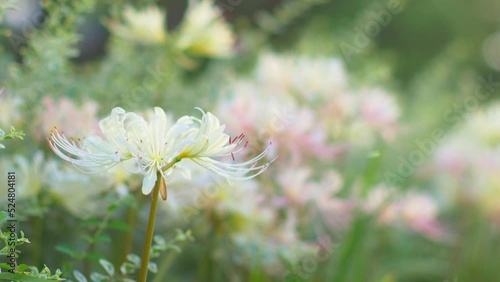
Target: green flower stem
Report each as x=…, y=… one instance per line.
x=151, y=226
x=151, y=222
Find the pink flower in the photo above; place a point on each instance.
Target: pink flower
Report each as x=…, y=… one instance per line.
x=74, y=120
x=414, y=210
x=380, y=111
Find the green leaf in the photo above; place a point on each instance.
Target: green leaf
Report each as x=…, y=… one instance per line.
x=34, y=271
x=5, y=266
x=91, y=222
x=79, y=276
x=159, y=240
x=174, y=247
x=89, y=239
x=112, y=207
x=93, y=256
x=24, y=278
x=23, y=267
x=3, y=217
x=135, y=259
x=118, y=225
x=58, y=272
x=103, y=237
x=153, y=267
x=69, y=250
x=127, y=268
x=108, y=266
x=98, y=277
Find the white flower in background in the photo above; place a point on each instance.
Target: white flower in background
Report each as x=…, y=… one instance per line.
x=236, y=208
x=306, y=77
x=37, y=174
x=157, y=146
x=32, y=174
x=146, y=26
x=275, y=244
x=204, y=32
x=84, y=199
x=466, y=163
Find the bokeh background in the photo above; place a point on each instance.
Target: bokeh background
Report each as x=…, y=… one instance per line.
x=383, y=114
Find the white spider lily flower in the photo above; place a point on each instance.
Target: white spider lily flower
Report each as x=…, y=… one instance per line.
x=143, y=26
x=155, y=143
x=211, y=142
x=204, y=32
x=95, y=154
x=157, y=146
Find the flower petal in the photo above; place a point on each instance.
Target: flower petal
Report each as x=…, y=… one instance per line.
x=149, y=182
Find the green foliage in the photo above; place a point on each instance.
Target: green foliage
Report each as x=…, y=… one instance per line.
x=24, y=272
x=133, y=262
x=12, y=134
x=285, y=14
x=97, y=228
x=21, y=272
x=18, y=241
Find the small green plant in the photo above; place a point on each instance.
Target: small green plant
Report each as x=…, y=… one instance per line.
x=12, y=134
x=133, y=263
x=20, y=272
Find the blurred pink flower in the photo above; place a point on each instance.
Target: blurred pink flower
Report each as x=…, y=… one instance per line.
x=414, y=210
x=74, y=120
x=294, y=131
x=299, y=186
x=419, y=212
x=450, y=160
x=381, y=111
x=303, y=138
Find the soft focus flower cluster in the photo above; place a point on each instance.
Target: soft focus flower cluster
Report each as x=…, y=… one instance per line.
x=313, y=118
x=40, y=176
x=202, y=33
x=73, y=119
x=466, y=164
x=415, y=210
x=307, y=106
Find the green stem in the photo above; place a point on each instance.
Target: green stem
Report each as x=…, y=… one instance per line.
x=149, y=234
